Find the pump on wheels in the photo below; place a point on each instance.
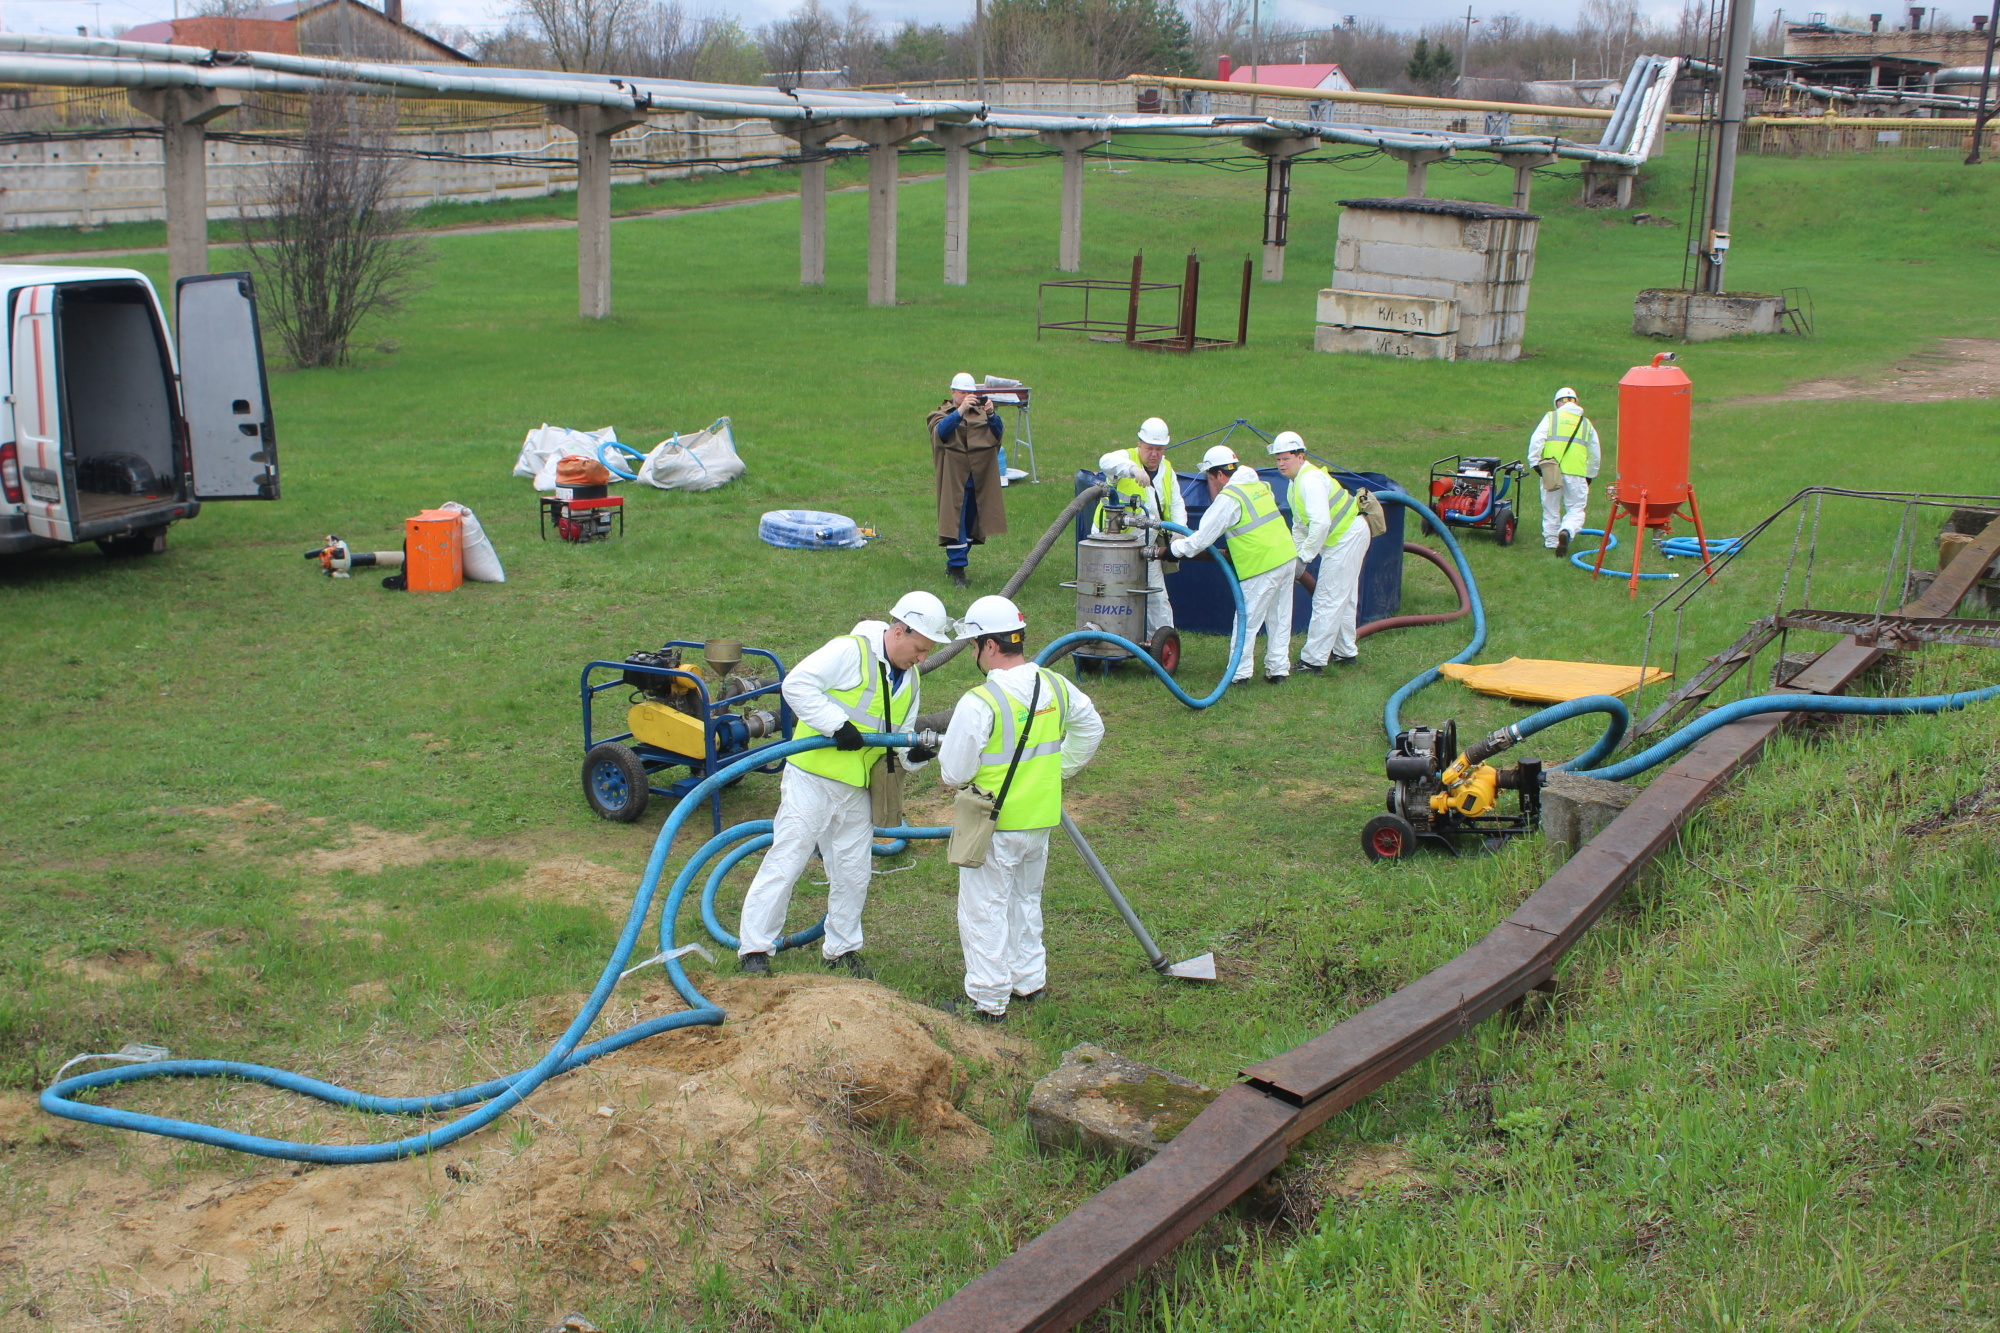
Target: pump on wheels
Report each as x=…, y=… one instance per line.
x=1451, y=799
x=1477, y=493
x=692, y=715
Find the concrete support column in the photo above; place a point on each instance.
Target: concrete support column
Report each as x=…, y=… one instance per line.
x=1416, y=160
x=593, y=127
x=1074, y=144
x=1608, y=186
x=182, y=112
x=1524, y=165
x=957, y=142
x=1278, y=196
x=812, y=199
x=882, y=137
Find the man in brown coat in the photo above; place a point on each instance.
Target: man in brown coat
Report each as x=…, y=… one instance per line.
x=965, y=454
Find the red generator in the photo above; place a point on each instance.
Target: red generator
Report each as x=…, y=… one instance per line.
x=1477, y=493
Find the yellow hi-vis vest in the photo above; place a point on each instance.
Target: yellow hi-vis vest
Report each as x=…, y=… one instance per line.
x=865, y=708
x=1150, y=497
x=1035, y=799
x=1343, y=505
x=1572, y=453
x=1259, y=541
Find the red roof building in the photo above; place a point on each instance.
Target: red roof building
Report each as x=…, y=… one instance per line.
x=331, y=29
x=1328, y=76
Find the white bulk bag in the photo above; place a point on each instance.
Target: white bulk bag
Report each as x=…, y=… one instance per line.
x=699, y=461
x=546, y=445
x=482, y=562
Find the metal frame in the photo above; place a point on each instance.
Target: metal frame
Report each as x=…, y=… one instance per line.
x=552, y=507
x=653, y=757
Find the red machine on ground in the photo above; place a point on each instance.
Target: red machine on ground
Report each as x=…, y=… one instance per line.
x=1476, y=493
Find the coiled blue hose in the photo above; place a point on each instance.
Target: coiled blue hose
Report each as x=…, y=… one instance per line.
x=1582, y=559
x=1690, y=548
x=605, y=452
x=1239, y=639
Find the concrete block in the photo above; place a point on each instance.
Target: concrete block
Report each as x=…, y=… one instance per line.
x=1374, y=310
x=1983, y=598
x=1400, y=228
x=1383, y=342
x=1576, y=809
x=1114, y=1107
x=1433, y=289
x=1950, y=544
x=1665, y=313
x=1419, y=261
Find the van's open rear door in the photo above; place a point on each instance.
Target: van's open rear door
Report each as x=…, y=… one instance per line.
x=45, y=474
x=223, y=395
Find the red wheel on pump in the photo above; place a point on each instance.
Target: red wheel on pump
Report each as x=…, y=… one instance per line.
x=1388, y=837
x=1165, y=646
x=1507, y=525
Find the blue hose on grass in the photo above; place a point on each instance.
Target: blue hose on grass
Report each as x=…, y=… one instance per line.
x=1392, y=712
x=1582, y=559
x=1673, y=548
x=495, y=1097
x=1238, y=641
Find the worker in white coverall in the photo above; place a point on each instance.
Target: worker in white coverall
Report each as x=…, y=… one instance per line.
x=1145, y=480
x=865, y=681
x=1566, y=437
x=1052, y=726
x=1242, y=508
x=1326, y=519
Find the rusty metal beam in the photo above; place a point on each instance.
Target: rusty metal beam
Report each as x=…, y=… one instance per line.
x=1055, y=1280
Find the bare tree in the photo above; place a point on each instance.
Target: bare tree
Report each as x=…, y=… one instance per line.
x=582, y=35
x=800, y=41
x=329, y=249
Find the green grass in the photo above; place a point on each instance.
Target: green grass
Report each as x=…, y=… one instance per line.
x=1717, y=1127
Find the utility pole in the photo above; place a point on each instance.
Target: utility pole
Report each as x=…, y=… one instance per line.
x=1256, y=48
x=1465, y=50
x=1735, y=68
x=1985, y=112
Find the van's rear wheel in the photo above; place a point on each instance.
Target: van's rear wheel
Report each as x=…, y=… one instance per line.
x=146, y=541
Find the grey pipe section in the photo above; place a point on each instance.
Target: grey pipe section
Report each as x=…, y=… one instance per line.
x=1088, y=495
x=1103, y=876
x=1613, y=138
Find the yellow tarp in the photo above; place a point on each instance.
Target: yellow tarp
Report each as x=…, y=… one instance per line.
x=1531, y=680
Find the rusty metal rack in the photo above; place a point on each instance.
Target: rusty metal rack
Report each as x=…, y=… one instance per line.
x=1894, y=630
x=1054, y=1281
x=1180, y=336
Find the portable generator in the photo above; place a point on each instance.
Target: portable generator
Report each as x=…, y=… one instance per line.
x=1448, y=798
x=682, y=714
x=1477, y=493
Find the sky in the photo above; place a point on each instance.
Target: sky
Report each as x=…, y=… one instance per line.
x=65, y=16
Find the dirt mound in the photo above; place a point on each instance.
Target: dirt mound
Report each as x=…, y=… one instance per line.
x=1955, y=368
x=722, y=1145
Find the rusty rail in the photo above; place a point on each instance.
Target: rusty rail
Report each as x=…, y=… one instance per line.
x=1052, y=1282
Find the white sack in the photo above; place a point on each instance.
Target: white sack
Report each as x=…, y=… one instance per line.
x=699, y=461
x=546, y=445
x=482, y=562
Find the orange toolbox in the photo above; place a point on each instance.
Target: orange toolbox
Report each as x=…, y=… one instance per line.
x=436, y=553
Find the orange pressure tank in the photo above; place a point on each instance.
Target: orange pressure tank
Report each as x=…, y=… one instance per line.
x=435, y=551
x=1653, y=422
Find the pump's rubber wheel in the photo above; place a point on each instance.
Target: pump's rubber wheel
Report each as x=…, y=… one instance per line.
x=146, y=541
x=1388, y=837
x=614, y=782
x=1505, y=522
x=1165, y=646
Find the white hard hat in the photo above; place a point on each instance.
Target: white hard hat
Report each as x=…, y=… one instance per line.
x=1287, y=442
x=1565, y=392
x=992, y=614
x=1220, y=455
x=925, y=614
x=1154, y=431
x=963, y=380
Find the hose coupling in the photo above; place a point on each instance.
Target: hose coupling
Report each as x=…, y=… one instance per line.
x=1481, y=750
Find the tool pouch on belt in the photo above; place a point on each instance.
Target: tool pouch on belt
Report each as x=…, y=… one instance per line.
x=975, y=814
x=1371, y=513
x=885, y=792
x=1552, y=474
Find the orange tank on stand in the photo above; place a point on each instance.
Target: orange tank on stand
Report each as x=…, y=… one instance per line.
x=433, y=541
x=1655, y=415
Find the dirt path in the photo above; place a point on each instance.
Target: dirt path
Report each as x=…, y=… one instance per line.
x=1954, y=368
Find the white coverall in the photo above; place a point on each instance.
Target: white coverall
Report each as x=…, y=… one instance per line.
x=1337, y=597
x=819, y=813
x=1569, y=517
x=1000, y=903
x=1267, y=597
x=1118, y=463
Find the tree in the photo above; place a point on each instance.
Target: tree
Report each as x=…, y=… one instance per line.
x=1431, y=66
x=329, y=249
x=582, y=35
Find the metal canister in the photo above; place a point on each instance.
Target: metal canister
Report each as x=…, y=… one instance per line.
x=1111, y=589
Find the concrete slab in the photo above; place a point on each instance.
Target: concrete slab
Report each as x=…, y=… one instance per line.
x=1106, y=1104
x=1409, y=261
x=1665, y=313
x=1383, y=342
x=1373, y=310
x=1576, y=809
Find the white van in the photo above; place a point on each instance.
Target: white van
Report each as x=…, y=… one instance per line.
x=113, y=429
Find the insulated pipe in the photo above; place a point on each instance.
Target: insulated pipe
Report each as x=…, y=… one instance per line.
x=1087, y=496
x=1621, y=113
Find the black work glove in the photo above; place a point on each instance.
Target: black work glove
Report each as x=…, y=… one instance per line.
x=1159, y=551
x=848, y=737
x=920, y=754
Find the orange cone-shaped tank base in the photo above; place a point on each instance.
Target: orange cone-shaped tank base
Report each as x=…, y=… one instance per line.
x=436, y=560
x=1654, y=405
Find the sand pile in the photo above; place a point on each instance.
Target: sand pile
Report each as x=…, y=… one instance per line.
x=727, y=1145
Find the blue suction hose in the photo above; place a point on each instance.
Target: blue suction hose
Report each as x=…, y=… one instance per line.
x=1685, y=548
x=495, y=1097
x=1494, y=495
